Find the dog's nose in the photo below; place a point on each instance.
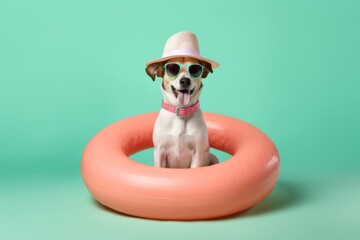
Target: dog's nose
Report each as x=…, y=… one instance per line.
x=185, y=82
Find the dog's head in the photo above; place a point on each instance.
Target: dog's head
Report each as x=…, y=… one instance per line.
x=182, y=76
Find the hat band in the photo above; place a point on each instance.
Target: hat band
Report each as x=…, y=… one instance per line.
x=186, y=52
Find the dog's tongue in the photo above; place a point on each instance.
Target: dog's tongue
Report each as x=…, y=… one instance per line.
x=183, y=98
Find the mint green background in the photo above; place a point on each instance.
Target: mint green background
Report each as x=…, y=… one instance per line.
x=70, y=68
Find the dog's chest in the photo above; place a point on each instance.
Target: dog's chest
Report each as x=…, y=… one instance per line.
x=179, y=128
x=176, y=134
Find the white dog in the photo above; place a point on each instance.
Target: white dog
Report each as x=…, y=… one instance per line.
x=180, y=134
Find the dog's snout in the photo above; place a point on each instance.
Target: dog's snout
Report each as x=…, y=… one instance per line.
x=185, y=82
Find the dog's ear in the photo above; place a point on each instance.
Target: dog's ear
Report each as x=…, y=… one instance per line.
x=207, y=69
x=155, y=69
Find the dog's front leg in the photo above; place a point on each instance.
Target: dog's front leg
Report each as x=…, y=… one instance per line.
x=197, y=159
x=159, y=159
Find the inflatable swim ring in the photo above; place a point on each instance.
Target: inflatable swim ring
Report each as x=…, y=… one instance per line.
x=209, y=192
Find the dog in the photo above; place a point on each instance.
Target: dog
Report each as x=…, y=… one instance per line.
x=180, y=134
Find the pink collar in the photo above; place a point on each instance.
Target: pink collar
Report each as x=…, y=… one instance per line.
x=181, y=111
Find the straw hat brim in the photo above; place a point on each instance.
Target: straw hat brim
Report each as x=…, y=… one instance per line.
x=163, y=59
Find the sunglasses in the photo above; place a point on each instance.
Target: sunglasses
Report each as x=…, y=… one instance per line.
x=173, y=69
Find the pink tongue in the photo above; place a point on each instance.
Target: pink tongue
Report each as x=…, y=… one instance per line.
x=183, y=98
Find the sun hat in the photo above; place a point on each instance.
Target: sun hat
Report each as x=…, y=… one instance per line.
x=182, y=44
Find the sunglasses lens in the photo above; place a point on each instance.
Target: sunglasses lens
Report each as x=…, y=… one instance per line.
x=172, y=69
x=195, y=70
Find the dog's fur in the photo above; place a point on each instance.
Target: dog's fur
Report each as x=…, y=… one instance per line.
x=180, y=142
